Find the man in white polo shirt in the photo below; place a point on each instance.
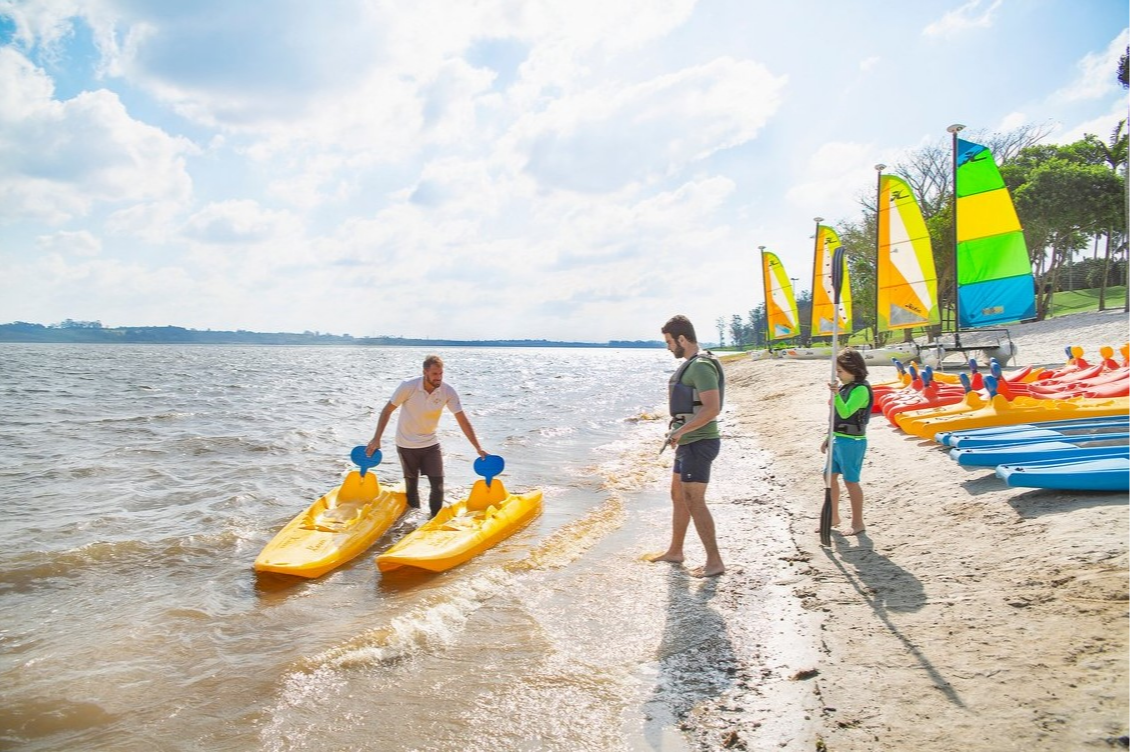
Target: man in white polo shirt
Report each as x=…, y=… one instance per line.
x=423, y=400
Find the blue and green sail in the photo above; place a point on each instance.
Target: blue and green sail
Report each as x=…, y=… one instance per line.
x=994, y=273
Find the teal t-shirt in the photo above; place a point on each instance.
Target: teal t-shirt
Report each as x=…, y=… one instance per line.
x=703, y=376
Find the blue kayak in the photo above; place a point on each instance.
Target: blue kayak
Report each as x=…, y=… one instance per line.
x=1033, y=431
x=1064, y=451
x=1105, y=474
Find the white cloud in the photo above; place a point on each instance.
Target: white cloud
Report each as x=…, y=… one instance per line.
x=1101, y=126
x=969, y=16
x=1096, y=78
x=606, y=138
x=86, y=149
x=78, y=243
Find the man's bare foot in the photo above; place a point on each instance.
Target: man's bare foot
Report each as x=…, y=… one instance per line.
x=836, y=523
x=665, y=556
x=705, y=572
x=853, y=531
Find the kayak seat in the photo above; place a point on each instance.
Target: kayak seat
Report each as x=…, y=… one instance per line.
x=357, y=488
x=483, y=496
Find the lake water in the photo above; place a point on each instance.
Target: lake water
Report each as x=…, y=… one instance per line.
x=140, y=482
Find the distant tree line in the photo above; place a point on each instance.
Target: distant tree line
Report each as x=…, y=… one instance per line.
x=93, y=332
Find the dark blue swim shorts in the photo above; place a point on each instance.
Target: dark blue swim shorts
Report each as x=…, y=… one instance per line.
x=693, y=461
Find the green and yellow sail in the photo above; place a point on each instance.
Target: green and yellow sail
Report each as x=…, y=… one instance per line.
x=994, y=275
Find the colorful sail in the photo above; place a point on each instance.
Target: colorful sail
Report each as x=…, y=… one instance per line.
x=994, y=273
x=825, y=246
x=781, y=308
x=907, y=288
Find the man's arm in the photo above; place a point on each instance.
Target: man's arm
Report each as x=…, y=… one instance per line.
x=469, y=432
x=375, y=442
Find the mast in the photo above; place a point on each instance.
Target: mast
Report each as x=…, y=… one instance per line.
x=765, y=296
x=876, y=297
x=953, y=131
x=813, y=295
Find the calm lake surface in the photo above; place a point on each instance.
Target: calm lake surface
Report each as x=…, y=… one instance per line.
x=140, y=482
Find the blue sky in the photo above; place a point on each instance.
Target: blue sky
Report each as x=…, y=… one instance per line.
x=563, y=169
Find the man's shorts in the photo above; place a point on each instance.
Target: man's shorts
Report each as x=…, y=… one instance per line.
x=848, y=457
x=693, y=461
x=428, y=461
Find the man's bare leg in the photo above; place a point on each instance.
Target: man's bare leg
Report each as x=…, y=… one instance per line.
x=695, y=498
x=681, y=517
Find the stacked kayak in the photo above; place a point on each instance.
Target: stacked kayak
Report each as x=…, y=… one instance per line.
x=459, y=532
x=1025, y=433
x=1066, y=455
x=336, y=528
x=975, y=412
x=1102, y=474
x=1068, y=449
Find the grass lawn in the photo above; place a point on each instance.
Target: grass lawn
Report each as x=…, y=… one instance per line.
x=1063, y=303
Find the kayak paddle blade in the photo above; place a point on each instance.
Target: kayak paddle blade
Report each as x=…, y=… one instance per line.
x=827, y=519
x=489, y=467
x=363, y=460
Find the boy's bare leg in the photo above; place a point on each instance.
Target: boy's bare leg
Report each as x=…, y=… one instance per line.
x=856, y=500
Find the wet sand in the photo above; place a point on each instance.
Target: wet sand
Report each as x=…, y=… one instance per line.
x=969, y=615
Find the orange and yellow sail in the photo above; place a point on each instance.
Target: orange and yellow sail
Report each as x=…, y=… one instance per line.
x=907, y=288
x=781, y=307
x=825, y=245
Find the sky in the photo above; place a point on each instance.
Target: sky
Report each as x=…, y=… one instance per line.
x=575, y=170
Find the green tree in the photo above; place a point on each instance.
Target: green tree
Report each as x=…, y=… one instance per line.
x=1063, y=204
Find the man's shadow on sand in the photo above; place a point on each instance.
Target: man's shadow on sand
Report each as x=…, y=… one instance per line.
x=888, y=588
x=695, y=654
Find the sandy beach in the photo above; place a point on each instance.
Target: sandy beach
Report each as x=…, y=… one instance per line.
x=968, y=616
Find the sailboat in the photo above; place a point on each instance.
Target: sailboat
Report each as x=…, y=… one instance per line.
x=993, y=275
x=906, y=285
x=782, y=319
x=826, y=241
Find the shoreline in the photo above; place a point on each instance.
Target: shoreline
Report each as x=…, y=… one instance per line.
x=969, y=615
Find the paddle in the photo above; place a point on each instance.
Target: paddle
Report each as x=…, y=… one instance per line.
x=363, y=460
x=667, y=440
x=827, y=509
x=488, y=467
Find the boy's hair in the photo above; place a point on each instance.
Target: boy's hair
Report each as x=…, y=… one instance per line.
x=433, y=360
x=679, y=325
x=853, y=362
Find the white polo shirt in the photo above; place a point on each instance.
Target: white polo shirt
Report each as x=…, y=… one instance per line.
x=420, y=412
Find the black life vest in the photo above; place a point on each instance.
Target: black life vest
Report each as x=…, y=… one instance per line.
x=683, y=400
x=857, y=423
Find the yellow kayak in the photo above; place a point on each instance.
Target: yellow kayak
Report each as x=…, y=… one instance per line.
x=335, y=529
x=977, y=413
x=459, y=532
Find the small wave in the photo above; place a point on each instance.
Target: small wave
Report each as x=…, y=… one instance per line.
x=29, y=570
x=569, y=542
x=428, y=628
